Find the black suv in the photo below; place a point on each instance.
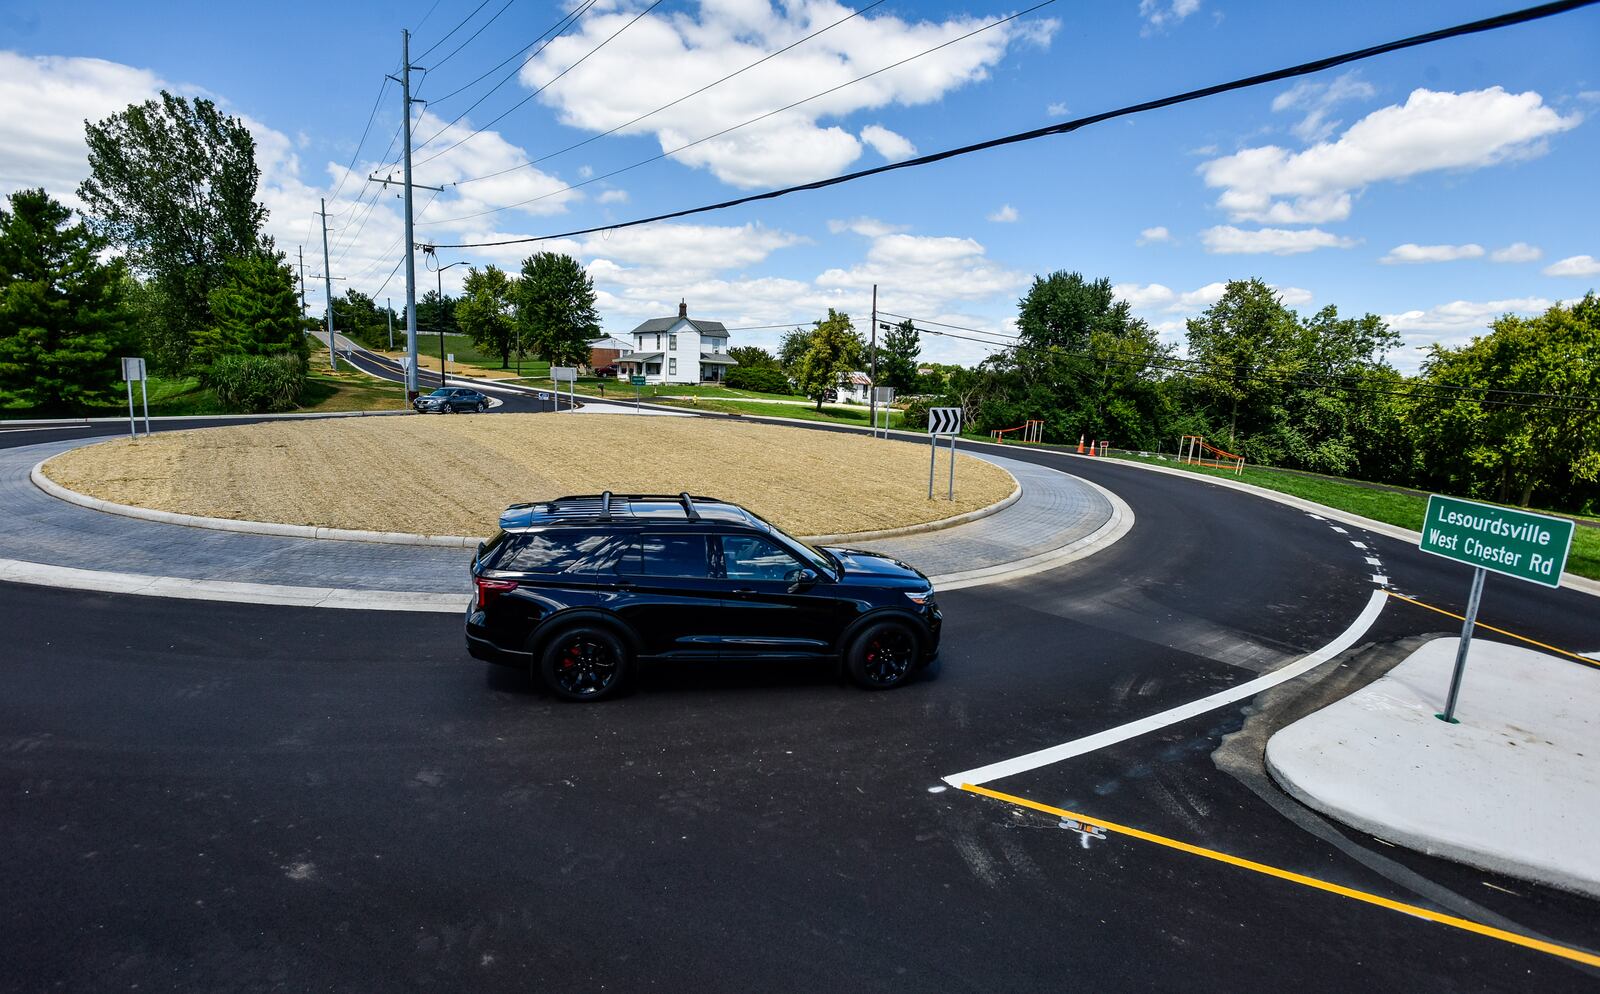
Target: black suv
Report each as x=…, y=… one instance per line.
x=581, y=589
x=450, y=400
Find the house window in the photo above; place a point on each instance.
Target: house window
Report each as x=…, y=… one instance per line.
x=672, y=367
x=658, y=340
x=672, y=341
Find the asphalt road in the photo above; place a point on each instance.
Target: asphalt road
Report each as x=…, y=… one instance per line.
x=230, y=797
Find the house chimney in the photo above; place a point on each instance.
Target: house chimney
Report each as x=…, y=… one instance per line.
x=683, y=308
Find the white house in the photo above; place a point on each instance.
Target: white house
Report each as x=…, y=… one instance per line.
x=855, y=387
x=678, y=350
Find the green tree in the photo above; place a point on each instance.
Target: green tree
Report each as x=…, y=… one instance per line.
x=1510, y=446
x=752, y=357
x=1246, y=346
x=555, y=309
x=1063, y=310
x=63, y=322
x=832, y=351
x=484, y=310
x=897, y=358
x=357, y=316
x=792, y=347
x=255, y=311
x=436, y=311
x=174, y=183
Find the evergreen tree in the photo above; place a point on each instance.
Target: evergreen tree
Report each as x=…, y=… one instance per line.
x=555, y=309
x=63, y=323
x=255, y=311
x=897, y=358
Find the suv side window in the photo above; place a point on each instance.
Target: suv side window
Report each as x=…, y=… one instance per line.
x=558, y=550
x=751, y=557
x=664, y=555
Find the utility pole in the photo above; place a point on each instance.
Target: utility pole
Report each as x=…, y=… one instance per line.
x=411, y=246
x=873, y=407
x=388, y=309
x=327, y=285
x=302, y=281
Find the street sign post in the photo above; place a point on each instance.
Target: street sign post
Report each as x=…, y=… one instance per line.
x=638, y=387
x=569, y=376
x=943, y=421
x=882, y=397
x=1489, y=538
x=133, y=369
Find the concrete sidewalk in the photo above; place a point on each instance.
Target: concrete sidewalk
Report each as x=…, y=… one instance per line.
x=1513, y=788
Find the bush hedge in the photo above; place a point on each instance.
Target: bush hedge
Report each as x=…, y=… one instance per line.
x=257, y=384
x=764, y=379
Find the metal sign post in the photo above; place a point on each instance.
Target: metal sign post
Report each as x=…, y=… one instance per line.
x=569, y=376
x=638, y=389
x=1515, y=543
x=943, y=421
x=882, y=397
x=133, y=369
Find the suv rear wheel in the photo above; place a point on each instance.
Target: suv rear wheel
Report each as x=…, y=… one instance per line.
x=584, y=663
x=883, y=656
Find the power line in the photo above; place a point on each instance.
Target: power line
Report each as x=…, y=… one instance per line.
x=1067, y=127
x=475, y=34
x=667, y=106
x=760, y=117
x=565, y=22
x=447, y=34
x=534, y=93
x=383, y=88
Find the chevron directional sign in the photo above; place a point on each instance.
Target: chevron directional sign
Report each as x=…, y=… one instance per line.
x=944, y=420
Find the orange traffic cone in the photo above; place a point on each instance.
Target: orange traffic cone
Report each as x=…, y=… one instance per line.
x=1080, y=445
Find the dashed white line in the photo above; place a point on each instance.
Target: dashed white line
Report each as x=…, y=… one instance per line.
x=1111, y=736
x=1341, y=531
x=1359, y=545
x=1380, y=579
x=1374, y=561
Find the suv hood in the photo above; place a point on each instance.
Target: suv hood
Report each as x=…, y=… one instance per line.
x=877, y=566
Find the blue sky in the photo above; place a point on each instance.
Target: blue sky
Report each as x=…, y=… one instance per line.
x=1438, y=187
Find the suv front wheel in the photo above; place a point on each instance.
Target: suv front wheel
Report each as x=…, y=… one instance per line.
x=584, y=663
x=882, y=656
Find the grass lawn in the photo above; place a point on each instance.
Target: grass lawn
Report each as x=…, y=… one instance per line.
x=169, y=397
x=348, y=390
x=834, y=413
x=467, y=355
x=1402, y=509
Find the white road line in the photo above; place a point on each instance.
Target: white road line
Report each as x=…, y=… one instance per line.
x=1380, y=579
x=1133, y=729
x=1374, y=561
x=1341, y=531
x=1317, y=516
x=1359, y=545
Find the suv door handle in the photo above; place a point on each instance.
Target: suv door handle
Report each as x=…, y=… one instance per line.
x=743, y=591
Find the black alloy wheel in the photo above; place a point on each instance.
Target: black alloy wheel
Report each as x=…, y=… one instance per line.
x=883, y=656
x=584, y=664
x=483, y=405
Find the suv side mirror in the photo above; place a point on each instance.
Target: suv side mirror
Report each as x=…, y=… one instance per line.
x=801, y=579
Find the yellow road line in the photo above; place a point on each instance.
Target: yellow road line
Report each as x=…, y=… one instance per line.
x=1499, y=631
x=1565, y=952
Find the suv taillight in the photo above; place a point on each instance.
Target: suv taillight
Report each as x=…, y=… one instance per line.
x=487, y=587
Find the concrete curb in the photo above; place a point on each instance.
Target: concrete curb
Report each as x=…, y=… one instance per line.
x=39, y=479
x=1572, y=581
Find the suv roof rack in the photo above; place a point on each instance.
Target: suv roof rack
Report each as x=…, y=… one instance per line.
x=688, y=506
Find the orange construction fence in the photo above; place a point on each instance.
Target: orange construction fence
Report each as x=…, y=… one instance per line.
x=1031, y=431
x=1196, y=451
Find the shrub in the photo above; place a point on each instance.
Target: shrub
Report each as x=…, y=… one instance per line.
x=257, y=384
x=916, y=415
x=763, y=379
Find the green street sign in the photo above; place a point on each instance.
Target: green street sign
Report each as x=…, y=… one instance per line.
x=1528, y=546
x=637, y=381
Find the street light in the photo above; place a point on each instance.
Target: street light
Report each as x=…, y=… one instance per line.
x=439, y=283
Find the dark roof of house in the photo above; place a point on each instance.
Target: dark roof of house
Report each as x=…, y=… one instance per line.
x=718, y=359
x=663, y=324
x=641, y=357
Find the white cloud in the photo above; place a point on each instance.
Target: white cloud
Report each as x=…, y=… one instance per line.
x=689, y=248
x=1430, y=131
x=1317, y=99
x=1225, y=239
x=1057, y=109
x=623, y=80
x=869, y=227
x=1005, y=215
x=1517, y=252
x=1159, y=14
x=1157, y=234
x=1574, y=265
x=1412, y=252
x=1152, y=297
x=1452, y=324
x=935, y=267
x=886, y=143
x=613, y=197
